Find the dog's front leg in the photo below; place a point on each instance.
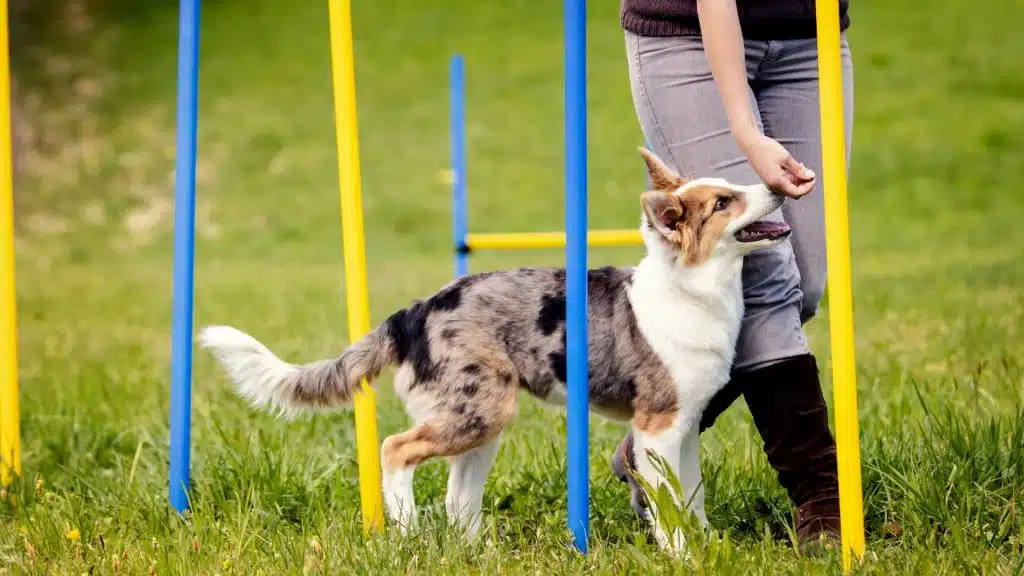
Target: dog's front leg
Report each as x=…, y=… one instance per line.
x=667, y=444
x=690, y=476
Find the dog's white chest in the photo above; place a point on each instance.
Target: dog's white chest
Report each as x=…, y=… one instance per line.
x=693, y=337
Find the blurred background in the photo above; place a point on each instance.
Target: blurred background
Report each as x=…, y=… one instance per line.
x=936, y=205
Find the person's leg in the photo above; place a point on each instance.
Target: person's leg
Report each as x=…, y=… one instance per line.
x=784, y=397
x=786, y=89
x=681, y=115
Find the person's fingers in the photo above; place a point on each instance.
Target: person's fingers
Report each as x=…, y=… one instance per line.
x=783, y=185
x=803, y=189
x=797, y=169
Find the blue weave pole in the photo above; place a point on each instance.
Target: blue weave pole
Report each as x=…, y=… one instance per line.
x=460, y=224
x=184, y=253
x=576, y=267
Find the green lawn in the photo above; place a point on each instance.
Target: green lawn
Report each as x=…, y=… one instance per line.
x=936, y=205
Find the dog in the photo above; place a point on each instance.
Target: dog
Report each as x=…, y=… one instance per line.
x=661, y=336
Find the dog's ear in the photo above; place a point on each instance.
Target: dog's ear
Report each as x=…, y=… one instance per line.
x=664, y=211
x=662, y=177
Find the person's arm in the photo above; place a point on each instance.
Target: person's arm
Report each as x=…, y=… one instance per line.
x=723, y=46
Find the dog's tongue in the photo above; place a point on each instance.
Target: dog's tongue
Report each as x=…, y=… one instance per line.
x=762, y=230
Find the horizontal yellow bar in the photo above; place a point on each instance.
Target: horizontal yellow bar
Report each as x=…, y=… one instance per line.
x=523, y=240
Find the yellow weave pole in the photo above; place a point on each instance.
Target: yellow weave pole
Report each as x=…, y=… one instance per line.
x=345, y=121
x=10, y=416
x=840, y=291
x=524, y=240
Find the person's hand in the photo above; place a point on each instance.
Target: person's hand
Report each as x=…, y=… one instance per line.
x=775, y=166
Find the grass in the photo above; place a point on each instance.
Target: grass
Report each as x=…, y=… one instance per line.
x=935, y=206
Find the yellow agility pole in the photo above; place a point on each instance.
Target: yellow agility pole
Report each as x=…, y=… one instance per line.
x=840, y=291
x=10, y=416
x=524, y=240
x=345, y=120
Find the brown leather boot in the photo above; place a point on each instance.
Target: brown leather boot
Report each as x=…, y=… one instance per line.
x=789, y=411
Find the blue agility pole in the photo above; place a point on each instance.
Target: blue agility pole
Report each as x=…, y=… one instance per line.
x=457, y=89
x=184, y=252
x=576, y=267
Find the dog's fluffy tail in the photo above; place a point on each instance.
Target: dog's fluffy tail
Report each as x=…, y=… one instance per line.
x=269, y=382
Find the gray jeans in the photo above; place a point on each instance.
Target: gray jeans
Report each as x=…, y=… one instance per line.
x=683, y=120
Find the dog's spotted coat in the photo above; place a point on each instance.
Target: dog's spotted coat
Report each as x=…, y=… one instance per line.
x=661, y=339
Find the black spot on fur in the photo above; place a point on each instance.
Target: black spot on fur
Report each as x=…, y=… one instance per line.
x=450, y=297
x=447, y=299
x=471, y=369
x=557, y=359
x=558, y=365
x=470, y=390
x=552, y=312
x=473, y=427
x=408, y=329
x=523, y=383
x=506, y=379
x=460, y=408
x=630, y=388
x=396, y=329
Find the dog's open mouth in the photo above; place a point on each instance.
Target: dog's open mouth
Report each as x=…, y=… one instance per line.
x=762, y=230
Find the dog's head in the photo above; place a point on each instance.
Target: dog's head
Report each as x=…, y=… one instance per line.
x=694, y=220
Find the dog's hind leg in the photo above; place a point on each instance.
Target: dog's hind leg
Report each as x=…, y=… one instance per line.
x=400, y=454
x=480, y=403
x=469, y=435
x=466, y=481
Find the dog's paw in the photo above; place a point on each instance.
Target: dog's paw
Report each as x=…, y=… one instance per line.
x=674, y=545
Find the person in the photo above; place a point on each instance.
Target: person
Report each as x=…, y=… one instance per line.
x=729, y=88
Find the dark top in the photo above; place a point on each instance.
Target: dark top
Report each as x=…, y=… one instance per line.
x=759, y=19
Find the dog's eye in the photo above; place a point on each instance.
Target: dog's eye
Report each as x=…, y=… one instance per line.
x=722, y=204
